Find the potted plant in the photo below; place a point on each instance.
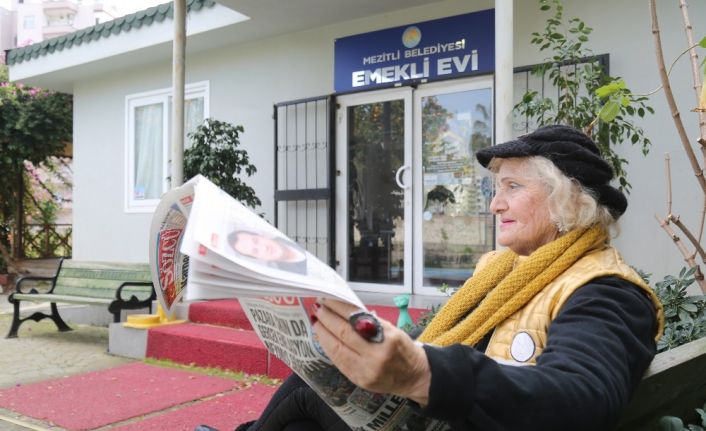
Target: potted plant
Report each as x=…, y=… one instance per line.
x=215, y=154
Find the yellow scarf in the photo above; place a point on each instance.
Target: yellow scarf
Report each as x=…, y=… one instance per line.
x=500, y=289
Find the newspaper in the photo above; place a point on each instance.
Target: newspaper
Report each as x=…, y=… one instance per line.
x=206, y=245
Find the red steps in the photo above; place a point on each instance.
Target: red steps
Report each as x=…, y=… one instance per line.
x=224, y=312
x=214, y=346
x=221, y=336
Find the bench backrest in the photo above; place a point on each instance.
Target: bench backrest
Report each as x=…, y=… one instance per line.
x=102, y=279
x=674, y=385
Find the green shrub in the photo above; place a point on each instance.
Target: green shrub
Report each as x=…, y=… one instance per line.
x=671, y=423
x=685, y=315
x=214, y=153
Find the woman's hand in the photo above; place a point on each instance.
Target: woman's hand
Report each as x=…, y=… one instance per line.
x=397, y=365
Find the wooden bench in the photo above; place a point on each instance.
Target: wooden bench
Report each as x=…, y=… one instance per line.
x=118, y=286
x=674, y=385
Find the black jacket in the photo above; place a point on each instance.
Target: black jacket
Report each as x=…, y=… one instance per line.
x=598, y=348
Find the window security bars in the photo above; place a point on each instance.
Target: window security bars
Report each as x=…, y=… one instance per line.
x=304, y=174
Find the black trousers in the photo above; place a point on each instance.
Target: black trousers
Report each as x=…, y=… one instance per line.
x=296, y=407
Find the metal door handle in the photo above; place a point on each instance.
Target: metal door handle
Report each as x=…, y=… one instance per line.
x=398, y=177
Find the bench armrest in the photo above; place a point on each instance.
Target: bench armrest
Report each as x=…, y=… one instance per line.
x=19, y=281
x=119, y=292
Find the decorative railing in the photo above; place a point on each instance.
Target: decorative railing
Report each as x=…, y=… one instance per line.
x=41, y=241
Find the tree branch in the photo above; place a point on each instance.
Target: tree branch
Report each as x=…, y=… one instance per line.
x=702, y=142
x=688, y=29
x=675, y=219
x=698, y=172
x=688, y=258
x=668, y=173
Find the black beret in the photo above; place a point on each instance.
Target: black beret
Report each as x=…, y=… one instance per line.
x=573, y=152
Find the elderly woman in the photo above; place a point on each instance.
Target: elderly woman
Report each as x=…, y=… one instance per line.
x=553, y=333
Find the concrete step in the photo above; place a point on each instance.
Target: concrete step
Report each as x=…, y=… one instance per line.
x=214, y=346
x=219, y=335
x=222, y=312
x=228, y=312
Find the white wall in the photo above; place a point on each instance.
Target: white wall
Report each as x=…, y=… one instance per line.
x=33, y=34
x=623, y=29
x=245, y=82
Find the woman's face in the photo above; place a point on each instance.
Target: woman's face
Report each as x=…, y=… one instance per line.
x=259, y=247
x=520, y=202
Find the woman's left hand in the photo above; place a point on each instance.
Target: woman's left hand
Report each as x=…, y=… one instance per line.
x=397, y=365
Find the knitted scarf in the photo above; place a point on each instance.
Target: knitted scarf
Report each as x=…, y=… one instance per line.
x=500, y=289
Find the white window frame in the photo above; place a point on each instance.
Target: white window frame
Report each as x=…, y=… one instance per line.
x=29, y=22
x=133, y=101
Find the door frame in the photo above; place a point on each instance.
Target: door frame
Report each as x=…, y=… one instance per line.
x=341, y=201
x=413, y=200
x=444, y=87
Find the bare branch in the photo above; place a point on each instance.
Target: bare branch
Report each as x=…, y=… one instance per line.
x=688, y=29
x=688, y=258
x=675, y=219
x=698, y=172
x=703, y=219
x=702, y=143
x=668, y=170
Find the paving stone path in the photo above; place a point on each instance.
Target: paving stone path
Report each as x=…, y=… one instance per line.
x=41, y=352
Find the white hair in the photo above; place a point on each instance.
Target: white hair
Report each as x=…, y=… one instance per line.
x=571, y=206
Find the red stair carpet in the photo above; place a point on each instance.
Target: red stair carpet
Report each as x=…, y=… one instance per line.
x=221, y=336
x=221, y=412
x=95, y=399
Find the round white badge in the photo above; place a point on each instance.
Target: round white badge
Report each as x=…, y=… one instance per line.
x=522, y=348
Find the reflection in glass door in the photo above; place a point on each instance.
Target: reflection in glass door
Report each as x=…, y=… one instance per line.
x=377, y=136
x=454, y=224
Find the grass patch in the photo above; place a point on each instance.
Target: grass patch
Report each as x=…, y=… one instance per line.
x=218, y=372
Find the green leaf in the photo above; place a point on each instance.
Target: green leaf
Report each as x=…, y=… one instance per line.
x=702, y=42
x=609, y=111
x=702, y=414
x=671, y=423
x=691, y=308
x=610, y=88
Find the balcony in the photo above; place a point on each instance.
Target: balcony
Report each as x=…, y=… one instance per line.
x=58, y=7
x=57, y=29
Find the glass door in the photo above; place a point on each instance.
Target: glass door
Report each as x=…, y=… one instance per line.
x=453, y=225
x=374, y=237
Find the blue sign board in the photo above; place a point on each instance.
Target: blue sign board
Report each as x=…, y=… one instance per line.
x=443, y=48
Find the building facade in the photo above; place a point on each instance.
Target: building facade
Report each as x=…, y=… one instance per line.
x=31, y=21
x=369, y=165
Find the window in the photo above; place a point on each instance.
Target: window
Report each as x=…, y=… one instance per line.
x=147, y=140
x=28, y=22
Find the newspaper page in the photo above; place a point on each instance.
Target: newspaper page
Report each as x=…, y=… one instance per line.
x=283, y=325
x=276, y=282
x=168, y=265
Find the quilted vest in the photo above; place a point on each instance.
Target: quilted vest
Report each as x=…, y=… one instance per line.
x=520, y=338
